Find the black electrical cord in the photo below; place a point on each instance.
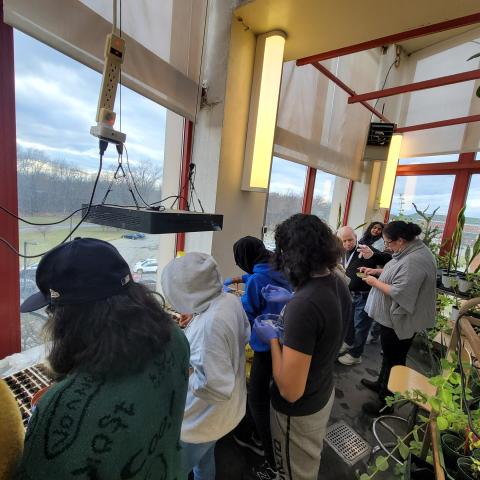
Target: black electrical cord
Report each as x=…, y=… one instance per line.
x=465, y=402
x=103, y=146
x=383, y=85
x=132, y=177
x=8, y=212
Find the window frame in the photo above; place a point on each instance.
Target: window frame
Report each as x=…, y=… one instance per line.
x=463, y=169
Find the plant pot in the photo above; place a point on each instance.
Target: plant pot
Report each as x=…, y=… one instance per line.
x=449, y=280
x=446, y=280
x=450, y=447
x=418, y=469
x=463, y=469
x=464, y=286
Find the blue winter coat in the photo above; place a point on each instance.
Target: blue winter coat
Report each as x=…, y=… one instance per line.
x=253, y=301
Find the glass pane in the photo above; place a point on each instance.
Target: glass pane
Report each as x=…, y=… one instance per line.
x=472, y=221
x=285, y=195
x=323, y=194
x=477, y=156
x=56, y=101
x=429, y=159
x=424, y=192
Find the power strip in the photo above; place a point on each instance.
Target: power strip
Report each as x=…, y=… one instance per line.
x=114, y=54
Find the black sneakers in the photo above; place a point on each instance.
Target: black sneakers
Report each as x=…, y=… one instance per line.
x=371, y=385
x=376, y=408
x=251, y=442
x=262, y=472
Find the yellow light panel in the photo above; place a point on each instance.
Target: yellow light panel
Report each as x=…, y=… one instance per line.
x=390, y=171
x=267, y=110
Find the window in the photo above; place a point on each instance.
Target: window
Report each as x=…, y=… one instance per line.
x=56, y=101
x=424, y=192
x=428, y=159
x=472, y=213
x=323, y=195
x=285, y=195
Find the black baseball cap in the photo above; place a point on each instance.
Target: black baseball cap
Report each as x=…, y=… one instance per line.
x=81, y=271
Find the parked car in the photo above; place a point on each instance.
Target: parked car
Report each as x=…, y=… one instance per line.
x=29, y=272
x=134, y=235
x=146, y=266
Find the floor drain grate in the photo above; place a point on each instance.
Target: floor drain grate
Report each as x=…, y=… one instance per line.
x=347, y=443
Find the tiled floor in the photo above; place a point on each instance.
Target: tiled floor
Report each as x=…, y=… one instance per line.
x=233, y=461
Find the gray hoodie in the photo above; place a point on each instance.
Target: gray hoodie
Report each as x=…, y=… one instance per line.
x=218, y=333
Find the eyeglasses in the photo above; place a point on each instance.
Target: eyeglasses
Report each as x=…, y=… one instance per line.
x=388, y=242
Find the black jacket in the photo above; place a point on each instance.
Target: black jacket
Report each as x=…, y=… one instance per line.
x=356, y=283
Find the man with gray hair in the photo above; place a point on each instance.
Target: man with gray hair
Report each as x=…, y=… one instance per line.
x=354, y=257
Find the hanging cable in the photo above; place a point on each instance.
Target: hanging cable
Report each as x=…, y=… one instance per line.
x=383, y=85
x=103, y=146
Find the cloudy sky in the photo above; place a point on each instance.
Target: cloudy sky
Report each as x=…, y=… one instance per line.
x=56, y=101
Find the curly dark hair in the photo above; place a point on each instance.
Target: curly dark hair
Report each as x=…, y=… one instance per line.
x=115, y=336
x=400, y=229
x=305, y=245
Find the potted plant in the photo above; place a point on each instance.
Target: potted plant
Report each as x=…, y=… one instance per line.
x=449, y=279
x=468, y=468
x=465, y=279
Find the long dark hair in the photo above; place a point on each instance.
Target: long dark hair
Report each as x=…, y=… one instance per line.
x=400, y=229
x=305, y=245
x=368, y=238
x=114, y=336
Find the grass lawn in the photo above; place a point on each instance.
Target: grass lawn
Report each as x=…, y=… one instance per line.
x=41, y=239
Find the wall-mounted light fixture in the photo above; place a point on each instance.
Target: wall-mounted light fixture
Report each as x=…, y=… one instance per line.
x=267, y=75
x=390, y=171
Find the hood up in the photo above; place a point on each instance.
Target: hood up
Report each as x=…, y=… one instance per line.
x=191, y=282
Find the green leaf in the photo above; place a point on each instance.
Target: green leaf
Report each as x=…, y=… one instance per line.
x=364, y=476
x=435, y=403
x=454, y=378
x=446, y=396
x=442, y=423
x=381, y=463
x=403, y=449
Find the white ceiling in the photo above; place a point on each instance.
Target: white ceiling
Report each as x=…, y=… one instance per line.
x=315, y=26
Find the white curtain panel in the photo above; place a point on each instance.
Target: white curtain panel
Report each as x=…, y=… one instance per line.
x=315, y=125
x=163, y=41
x=441, y=103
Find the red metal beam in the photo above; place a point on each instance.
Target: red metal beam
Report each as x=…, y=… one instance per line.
x=309, y=188
x=441, y=123
x=10, y=337
x=386, y=217
x=457, y=201
x=348, y=201
x=413, y=87
x=447, y=168
x=347, y=89
x=184, y=179
x=395, y=38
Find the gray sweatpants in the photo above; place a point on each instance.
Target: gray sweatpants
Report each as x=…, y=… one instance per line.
x=298, y=442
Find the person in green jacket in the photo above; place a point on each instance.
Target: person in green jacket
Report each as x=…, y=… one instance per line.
x=122, y=367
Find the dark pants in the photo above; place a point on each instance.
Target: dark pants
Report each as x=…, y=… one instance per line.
x=375, y=330
x=394, y=353
x=259, y=400
x=359, y=324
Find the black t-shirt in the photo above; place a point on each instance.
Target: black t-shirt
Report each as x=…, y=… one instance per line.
x=315, y=321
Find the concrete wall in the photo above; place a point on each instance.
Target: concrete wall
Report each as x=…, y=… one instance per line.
x=243, y=211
